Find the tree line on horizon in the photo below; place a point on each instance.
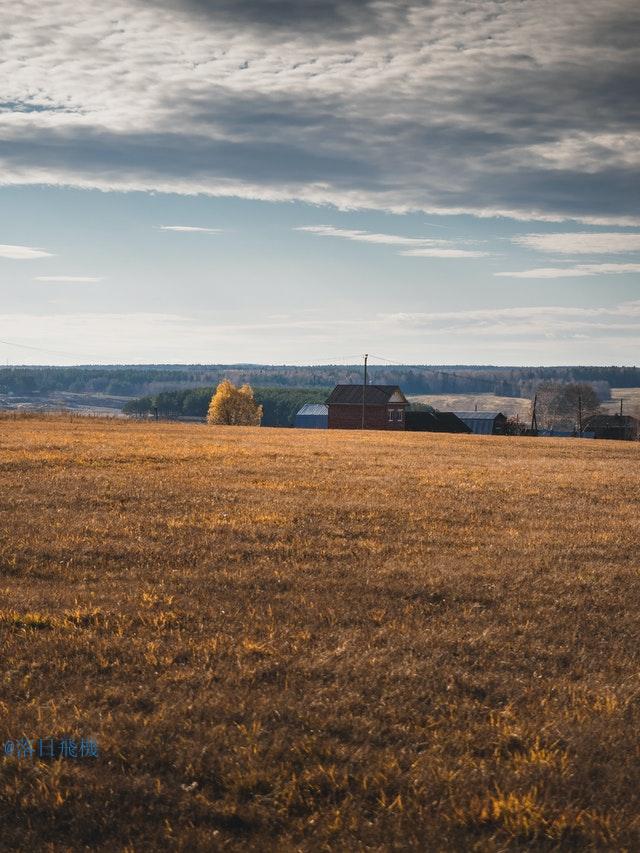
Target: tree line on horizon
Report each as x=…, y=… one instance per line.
x=144, y=380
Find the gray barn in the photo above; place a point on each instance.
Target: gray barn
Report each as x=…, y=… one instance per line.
x=312, y=416
x=484, y=423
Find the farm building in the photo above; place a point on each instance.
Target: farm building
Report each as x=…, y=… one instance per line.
x=484, y=423
x=384, y=407
x=312, y=416
x=621, y=427
x=434, y=422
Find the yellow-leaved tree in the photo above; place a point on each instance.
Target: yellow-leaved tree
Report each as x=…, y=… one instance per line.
x=234, y=406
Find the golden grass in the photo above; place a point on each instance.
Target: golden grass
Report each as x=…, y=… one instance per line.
x=630, y=401
x=307, y=640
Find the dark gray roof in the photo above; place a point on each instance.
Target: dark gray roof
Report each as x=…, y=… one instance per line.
x=434, y=422
x=478, y=416
x=599, y=421
x=351, y=395
x=481, y=423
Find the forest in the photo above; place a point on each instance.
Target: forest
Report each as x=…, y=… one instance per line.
x=279, y=405
x=143, y=380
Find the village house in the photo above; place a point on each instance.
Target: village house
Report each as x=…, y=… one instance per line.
x=620, y=427
x=367, y=406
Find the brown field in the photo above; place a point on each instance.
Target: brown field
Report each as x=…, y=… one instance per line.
x=630, y=401
x=509, y=406
x=314, y=641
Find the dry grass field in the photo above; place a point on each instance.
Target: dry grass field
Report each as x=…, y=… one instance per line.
x=313, y=641
x=630, y=400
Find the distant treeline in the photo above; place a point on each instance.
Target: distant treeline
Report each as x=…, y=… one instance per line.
x=279, y=405
x=143, y=380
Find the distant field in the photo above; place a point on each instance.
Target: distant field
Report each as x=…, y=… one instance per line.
x=80, y=403
x=314, y=640
x=630, y=401
x=509, y=406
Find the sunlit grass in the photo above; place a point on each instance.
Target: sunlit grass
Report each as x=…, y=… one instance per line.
x=292, y=640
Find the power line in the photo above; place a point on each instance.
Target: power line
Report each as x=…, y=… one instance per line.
x=38, y=349
x=468, y=377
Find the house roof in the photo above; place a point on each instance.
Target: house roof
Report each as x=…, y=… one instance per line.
x=313, y=409
x=477, y=416
x=481, y=423
x=435, y=422
x=450, y=422
x=600, y=421
x=375, y=395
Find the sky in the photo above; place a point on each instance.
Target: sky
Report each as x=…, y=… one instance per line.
x=303, y=181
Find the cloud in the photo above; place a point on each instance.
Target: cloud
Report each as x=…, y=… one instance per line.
x=72, y=279
x=22, y=253
x=189, y=228
x=511, y=334
x=583, y=243
x=334, y=19
x=422, y=247
x=573, y=272
x=543, y=313
x=486, y=108
x=621, y=322
x=365, y=236
x=444, y=253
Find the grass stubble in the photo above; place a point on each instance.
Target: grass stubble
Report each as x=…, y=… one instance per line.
x=310, y=640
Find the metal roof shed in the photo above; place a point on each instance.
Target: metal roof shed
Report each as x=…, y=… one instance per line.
x=312, y=416
x=483, y=423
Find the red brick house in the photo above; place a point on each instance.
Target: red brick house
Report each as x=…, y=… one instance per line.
x=384, y=407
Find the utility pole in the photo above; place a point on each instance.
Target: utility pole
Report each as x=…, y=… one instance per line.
x=580, y=415
x=534, y=419
x=364, y=386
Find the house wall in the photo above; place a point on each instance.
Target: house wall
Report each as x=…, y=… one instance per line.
x=375, y=417
x=620, y=433
x=499, y=425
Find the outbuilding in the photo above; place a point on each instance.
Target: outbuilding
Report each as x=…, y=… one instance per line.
x=484, y=423
x=312, y=416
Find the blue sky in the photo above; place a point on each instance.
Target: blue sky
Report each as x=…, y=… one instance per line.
x=303, y=182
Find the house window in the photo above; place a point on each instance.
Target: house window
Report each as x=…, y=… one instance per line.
x=390, y=415
x=399, y=415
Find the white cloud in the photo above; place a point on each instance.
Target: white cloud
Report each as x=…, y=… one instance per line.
x=444, y=253
x=189, y=228
x=582, y=243
x=71, y=279
x=537, y=333
x=573, y=272
x=423, y=247
x=485, y=108
x=22, y=253
x=526, y=325
x=366, y=236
